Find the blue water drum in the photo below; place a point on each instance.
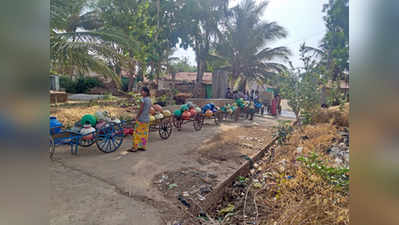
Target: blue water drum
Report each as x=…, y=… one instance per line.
x=55, y=123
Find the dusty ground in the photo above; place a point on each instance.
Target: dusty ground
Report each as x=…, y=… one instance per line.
x=124, y=188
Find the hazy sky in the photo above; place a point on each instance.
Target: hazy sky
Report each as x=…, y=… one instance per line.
x=303, y=19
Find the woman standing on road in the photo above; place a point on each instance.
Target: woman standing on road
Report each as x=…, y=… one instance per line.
x=140, y=137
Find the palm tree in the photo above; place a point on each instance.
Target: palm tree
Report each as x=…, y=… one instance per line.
x=73, y=51
x=243, y=44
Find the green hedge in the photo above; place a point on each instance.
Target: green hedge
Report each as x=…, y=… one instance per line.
x=80, y=85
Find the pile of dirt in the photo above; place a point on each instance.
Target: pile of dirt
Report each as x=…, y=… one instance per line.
x=294, y=183
x=337, y=116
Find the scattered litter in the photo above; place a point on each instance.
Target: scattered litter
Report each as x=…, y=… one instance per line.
x=172, y=186
x=212, y=176
x=257, y=185
x=124, y=153
x=186, y=194
x=230, y=208
x=201, y=198
x=299, y=149
x=205, y=189
x=183, y=201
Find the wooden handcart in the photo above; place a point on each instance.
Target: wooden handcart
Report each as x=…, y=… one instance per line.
x=217, y=117
x=230, y=116
x=197, y=121
x=162, y=126
x=108, y=138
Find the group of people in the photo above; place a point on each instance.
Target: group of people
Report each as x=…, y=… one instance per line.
x=140, y=137
x=253, y=97
x=246, y=95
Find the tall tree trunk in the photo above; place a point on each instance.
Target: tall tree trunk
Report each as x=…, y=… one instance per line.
x=202, y=53
x=132, y=73
x=140, y=74
x=174, y=80
x=200, y=72
x=243, y=84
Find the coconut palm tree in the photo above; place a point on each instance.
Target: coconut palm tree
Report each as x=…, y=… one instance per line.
x=243, y=43
x=73, y=51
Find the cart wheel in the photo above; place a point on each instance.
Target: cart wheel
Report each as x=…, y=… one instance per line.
x=165, y=129
x=109, y=138
x=177, y=123
x=52, y=147
x=198, y=122
x=87, y=142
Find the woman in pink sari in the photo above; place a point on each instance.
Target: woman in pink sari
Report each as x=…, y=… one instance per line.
x=276, y=109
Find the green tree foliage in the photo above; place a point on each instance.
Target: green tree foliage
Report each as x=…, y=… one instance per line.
x=138, y=37
x=336, y=42
x=243, y=43
x=197, y=25
x=73, y=49
x=333, y=53
x=302, y=87
x=80, y=85
x=334, y=47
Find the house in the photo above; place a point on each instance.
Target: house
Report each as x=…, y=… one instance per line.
x=185, y=83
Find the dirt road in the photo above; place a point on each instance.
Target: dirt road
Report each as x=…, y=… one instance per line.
x=121, y=188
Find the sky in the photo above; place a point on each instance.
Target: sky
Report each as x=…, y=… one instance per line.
x=303, y=19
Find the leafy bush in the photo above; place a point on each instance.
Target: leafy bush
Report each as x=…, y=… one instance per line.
x=80, y=85
x=302, y=88
x=68, y=84
x=242, y=181
x=336, y=176
x=283, y=130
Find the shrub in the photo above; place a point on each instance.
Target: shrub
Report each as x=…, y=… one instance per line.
x=80, y=85
x=68, y=84
x=284, y=129
x=336, y=176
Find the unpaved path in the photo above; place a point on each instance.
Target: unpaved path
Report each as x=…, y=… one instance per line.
x=118, y=188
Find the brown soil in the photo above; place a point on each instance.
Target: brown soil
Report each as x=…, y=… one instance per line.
x=235, y=143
